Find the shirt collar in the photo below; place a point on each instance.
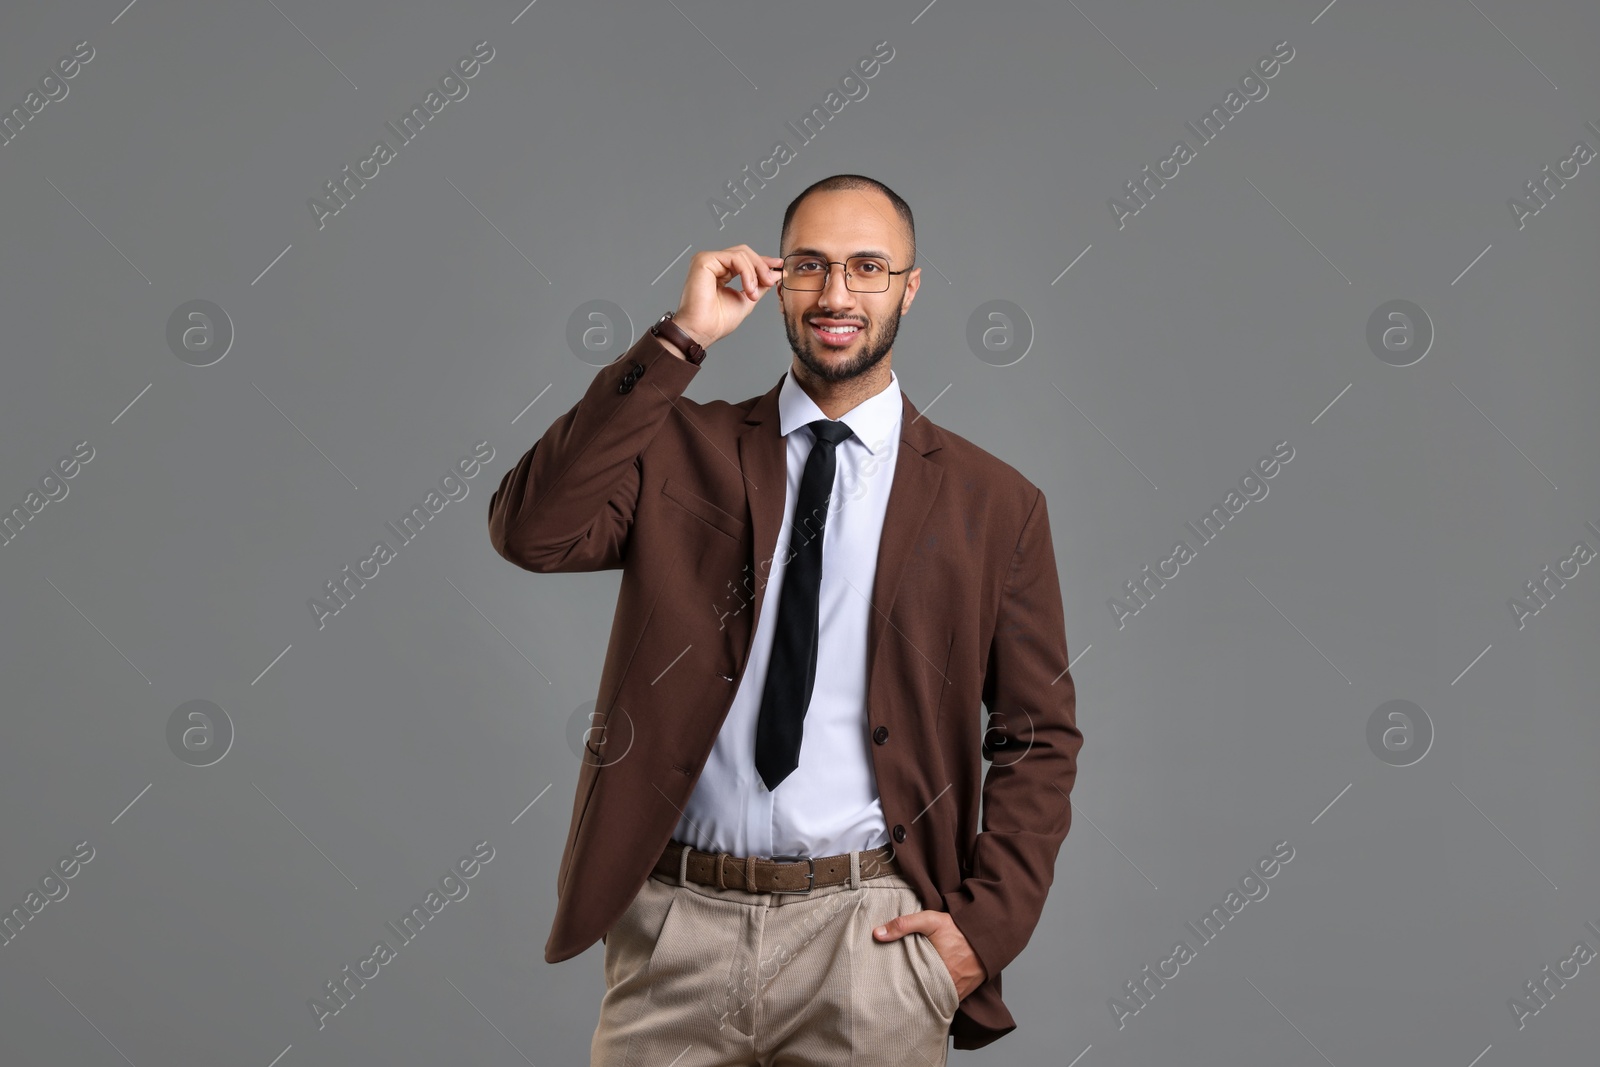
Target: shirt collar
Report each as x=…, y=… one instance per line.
x=874, y=421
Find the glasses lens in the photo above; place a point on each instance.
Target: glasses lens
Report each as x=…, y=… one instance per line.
x=866, y=274
x=804, y=273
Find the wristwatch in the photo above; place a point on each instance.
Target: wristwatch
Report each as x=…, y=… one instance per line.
x=668, y=330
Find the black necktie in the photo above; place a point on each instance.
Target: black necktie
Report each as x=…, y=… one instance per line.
x=793, y=666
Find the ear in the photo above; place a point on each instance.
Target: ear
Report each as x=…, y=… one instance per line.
x=913, y=283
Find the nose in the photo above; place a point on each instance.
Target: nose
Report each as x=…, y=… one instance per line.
x=835, y=294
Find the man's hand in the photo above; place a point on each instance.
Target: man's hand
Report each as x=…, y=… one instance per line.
x=709, y=310
x=966, y=970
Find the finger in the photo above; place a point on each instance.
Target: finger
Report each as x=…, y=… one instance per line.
x=760, y=274
x=916, y=922
x=755, y=278
x=732, y=267
x=739, y=266
x=899, y=926
x=767, y=276
x=716, y=263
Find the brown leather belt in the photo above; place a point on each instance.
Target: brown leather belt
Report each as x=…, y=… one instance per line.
x=780, y=874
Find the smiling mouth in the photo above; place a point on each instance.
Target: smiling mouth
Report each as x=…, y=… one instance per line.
x=836, y=336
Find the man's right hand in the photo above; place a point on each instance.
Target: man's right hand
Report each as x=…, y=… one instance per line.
x=710, y=309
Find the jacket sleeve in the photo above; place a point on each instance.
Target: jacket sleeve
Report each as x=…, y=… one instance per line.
x=568, y=504
x=1033, y=740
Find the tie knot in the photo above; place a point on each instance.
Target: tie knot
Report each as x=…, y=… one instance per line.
x=830, y=431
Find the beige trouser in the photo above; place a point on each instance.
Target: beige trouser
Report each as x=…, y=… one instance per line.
x=698, y=976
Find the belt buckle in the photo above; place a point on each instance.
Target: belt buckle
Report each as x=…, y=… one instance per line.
x=811, y=873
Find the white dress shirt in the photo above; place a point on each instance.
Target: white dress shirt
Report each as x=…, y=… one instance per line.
x=829, y=803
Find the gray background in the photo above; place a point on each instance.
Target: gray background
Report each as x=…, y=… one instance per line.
x=1230, y=314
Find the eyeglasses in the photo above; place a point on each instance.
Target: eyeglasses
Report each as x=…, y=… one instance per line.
x=862, y=274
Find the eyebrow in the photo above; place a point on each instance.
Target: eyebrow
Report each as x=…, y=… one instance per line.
x=819, y=252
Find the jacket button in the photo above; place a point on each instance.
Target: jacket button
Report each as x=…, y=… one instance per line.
x=625, y=386
x=638, y=370
x=899, y=832
x=881, y=734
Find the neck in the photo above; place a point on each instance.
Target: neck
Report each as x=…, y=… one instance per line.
x=836, y=398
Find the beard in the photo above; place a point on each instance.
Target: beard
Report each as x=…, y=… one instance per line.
x=839, y=365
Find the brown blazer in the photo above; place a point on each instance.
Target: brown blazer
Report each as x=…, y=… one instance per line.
x=686, y=499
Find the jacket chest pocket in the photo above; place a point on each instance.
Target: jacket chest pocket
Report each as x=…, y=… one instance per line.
x=704, y=510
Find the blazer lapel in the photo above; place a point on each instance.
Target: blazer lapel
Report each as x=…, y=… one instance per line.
x=763, y=462
x=911, y=495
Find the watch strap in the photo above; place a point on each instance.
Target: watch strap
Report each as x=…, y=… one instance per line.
x=671, y=331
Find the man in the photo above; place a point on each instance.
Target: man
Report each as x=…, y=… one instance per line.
x=776, y=830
